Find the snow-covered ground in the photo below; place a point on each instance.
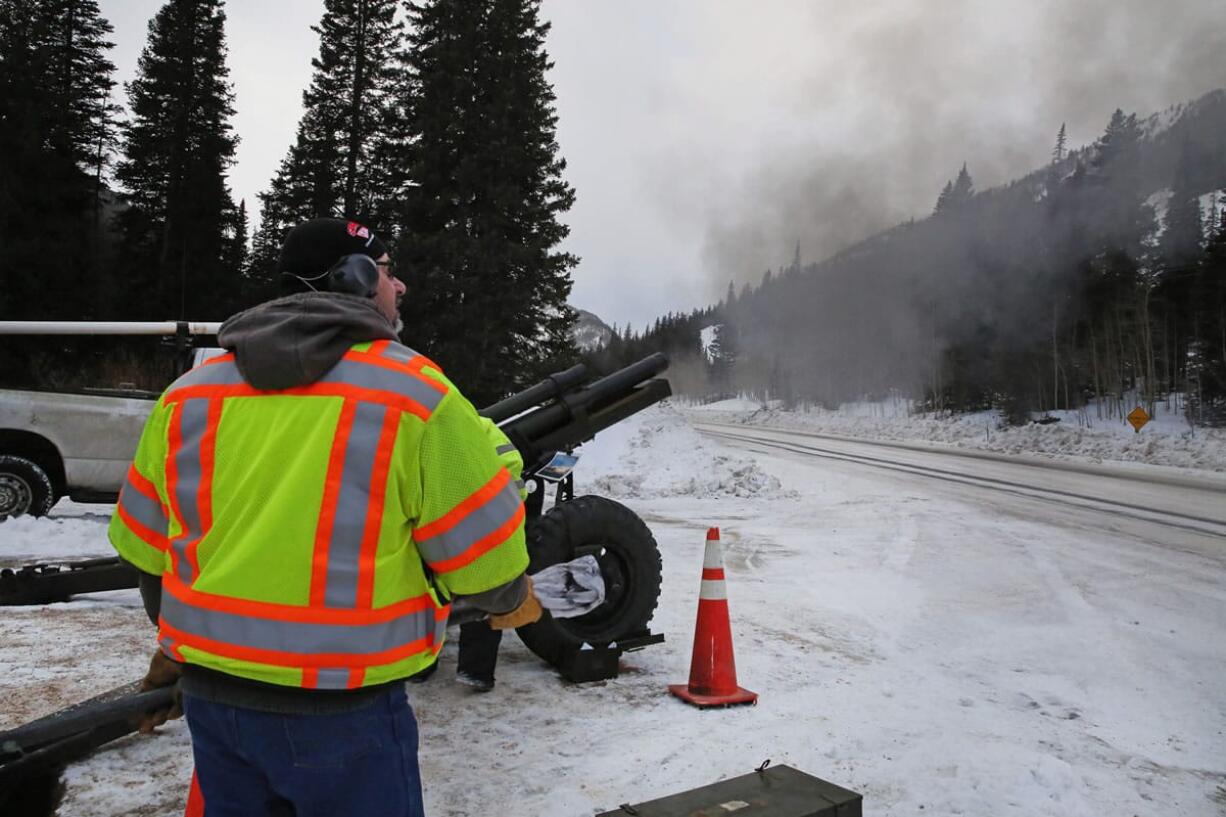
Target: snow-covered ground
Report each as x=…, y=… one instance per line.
x=939, y=652
x=1166, y=440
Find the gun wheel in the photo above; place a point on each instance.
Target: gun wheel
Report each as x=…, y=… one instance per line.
x=629, y=560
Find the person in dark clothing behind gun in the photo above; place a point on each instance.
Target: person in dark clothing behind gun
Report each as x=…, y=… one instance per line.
x=302, y=509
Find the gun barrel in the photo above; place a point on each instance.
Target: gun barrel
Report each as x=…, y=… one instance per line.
x=618, y=382
x=567, y=435
x=548, y=389
x=577, y=416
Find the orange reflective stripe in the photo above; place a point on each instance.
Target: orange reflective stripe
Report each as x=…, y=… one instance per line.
x=378, y=347
x=412, y=368
x=421, y=361
x=456, y=515
x=310, y=677
x=149, y=537
x=195, y=799
x=358, y=393
x=279, y=658
x=327, y=513
x=144, y=485
x=356, y=676
x=374, y=510
x=483, y=545
x=226, y=358
x=204, y=494
x=302, y=614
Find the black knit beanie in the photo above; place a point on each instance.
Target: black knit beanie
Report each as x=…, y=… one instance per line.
x=314, y=246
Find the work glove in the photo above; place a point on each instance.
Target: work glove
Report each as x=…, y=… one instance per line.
x=163, y=672
x=527, y=612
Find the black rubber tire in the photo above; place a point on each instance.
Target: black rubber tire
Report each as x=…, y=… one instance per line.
x=25, y=488
x=629, y=559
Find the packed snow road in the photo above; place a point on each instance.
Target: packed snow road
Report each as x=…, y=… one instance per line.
x=939, y=647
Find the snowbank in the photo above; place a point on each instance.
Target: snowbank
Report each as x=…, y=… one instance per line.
x=27, y=539
x=1167, y=440
x=657, y=453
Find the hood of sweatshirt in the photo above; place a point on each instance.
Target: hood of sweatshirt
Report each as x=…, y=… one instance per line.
x=294, y=341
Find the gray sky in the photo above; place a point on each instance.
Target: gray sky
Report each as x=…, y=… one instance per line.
x=706, y=138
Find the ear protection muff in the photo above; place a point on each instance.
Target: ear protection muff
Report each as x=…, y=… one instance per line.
x=355, y=274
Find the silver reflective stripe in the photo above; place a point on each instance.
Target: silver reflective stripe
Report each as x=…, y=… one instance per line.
x=366, y=376
x=349, y=521
x=297, y=637
x=213, y=374
x=398, y=353
x=504, y=449
x=144, y=510
x=476, y=526
x=193, y=422
x=332, y=679
x=440, y=631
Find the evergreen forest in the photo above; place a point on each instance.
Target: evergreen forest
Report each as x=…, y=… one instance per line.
x=1099, y=280
x=432, y=122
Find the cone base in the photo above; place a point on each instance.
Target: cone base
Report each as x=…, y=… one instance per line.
x=738, y=698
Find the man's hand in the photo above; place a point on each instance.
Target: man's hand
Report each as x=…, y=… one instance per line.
x=163, y=672
x=526, y=613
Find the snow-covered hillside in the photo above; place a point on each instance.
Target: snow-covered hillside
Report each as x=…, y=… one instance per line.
x=590, y=332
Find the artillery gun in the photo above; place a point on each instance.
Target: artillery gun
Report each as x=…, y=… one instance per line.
x=545, y=423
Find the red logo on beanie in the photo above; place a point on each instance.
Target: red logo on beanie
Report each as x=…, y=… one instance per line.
x=357, y=230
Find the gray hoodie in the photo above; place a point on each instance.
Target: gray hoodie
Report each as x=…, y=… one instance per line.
x=294, y=341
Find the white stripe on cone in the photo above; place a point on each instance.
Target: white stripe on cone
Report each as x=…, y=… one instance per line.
x=713, y=590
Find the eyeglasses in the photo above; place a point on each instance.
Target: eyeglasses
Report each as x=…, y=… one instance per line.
x=390, y=268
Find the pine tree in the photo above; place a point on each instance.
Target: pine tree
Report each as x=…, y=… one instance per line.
x=479, y=226
x=56, y=130
x=235, y=252
x=943, y=200
x=1181, y=240
x=956, y=193
x=963, y=188
x=1124, y=219
x=1060, y=150
x=338, y=164
x=1207, y=355
x=177, y=148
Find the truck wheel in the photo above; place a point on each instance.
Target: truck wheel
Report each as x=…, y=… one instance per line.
x=629, y=559
x=25, y=488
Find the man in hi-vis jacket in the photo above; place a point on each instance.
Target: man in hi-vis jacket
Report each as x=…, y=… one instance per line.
x=302, y=510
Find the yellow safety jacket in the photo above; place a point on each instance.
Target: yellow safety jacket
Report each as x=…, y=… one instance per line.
x=312, y=537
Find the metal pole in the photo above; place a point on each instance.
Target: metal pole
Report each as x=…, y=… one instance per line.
x=106, y=327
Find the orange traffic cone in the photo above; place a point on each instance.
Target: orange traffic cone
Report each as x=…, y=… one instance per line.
x=713, y=668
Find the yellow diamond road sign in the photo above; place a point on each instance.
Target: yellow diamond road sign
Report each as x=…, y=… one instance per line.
x=1138, y=417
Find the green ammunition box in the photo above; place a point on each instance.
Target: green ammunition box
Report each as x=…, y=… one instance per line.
x=777, y=791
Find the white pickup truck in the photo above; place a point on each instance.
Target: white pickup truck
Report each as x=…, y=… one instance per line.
x=79, y=445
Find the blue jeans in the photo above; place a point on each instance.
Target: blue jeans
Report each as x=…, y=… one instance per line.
x=258, y=763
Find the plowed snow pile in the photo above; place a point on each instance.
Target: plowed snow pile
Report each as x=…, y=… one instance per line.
x=657, y=454
x=1167, y=440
